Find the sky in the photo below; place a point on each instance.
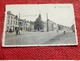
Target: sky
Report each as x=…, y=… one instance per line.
x=58, y=13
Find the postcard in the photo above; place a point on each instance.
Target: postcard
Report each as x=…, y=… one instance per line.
x=39, y=25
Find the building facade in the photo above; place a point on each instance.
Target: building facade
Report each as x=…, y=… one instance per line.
x=38, y=24
x=31, y=26
x=51, y=26
x=12, y=22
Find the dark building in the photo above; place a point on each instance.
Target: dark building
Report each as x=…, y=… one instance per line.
x=73, y=28
x=60, y=27
x=38, y=24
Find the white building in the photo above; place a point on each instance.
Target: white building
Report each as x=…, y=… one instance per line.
x=31, y=26
x=28, y=25
x=51, y=26
x=12, y=22
x=24, y=25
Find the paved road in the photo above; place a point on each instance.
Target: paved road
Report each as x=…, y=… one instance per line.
x=68, y=38
x=27, y=38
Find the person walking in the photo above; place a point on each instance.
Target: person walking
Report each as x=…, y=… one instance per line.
x=19, y=31
x=16, y=31
x=64, y=32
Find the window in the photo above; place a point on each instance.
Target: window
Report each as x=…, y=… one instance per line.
x=8, y=16
x=11, y=21
x=11, y=17
x=8, y=22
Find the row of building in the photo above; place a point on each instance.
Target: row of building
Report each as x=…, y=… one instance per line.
x=14, y=23
x=48, y=25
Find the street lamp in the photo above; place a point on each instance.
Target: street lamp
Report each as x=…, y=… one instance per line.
x=19, y=21
x=47, y=25
x=47, y=22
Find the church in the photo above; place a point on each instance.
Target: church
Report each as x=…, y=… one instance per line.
x=39, y=24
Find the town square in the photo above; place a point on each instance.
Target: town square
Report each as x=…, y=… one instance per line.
x=38, y=27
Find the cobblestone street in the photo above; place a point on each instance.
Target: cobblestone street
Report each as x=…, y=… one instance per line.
x=31, y=38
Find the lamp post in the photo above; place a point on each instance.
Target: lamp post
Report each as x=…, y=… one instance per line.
x=19, y=25
x=47, y=22
x=19, y=21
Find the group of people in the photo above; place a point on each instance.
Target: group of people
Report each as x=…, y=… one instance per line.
x=18, y=31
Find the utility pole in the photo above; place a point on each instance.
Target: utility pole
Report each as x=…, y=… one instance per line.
x=47, y=22
x=19, y=21
x=19, y=15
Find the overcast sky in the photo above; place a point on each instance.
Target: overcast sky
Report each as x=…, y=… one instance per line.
x=58, y=13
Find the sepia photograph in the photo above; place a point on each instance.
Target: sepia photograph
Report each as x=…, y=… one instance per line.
x=39, y=25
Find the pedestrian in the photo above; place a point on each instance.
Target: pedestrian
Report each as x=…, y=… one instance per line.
x=10, y=30
x=64, y=32
x=7, y=31
x=17, y=32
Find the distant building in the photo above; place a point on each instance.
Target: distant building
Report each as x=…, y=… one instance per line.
x=55, y=26
x=60, y=27
x=51, y=26
x=24, y=25
x=27, y=25
x=14, y=23
x=45, y=26
x=31, y=26
x=20, y=23
x=38, y=24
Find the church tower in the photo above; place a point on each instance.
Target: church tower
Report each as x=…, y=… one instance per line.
x=38, y=25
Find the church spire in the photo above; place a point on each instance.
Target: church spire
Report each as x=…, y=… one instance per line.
x=39, y=15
